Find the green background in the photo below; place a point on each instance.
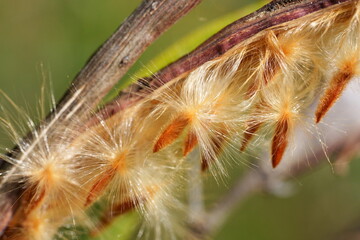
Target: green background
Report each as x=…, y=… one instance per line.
x=62, y=34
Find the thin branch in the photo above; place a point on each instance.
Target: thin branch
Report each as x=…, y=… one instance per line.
x=210, y=222
x=251, y=183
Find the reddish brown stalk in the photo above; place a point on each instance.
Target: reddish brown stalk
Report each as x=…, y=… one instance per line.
x=275, y=13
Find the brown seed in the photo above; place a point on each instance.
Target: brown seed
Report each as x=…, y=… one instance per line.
x=249, y=133
x=118, y=166
x=126, y=206
x=271, y=68
x=252, y=89
x=100, y=185
x=33, y=199
x=253, y=125
x=190, y=142
x=217, y=142
x=123, y=207
x=172, y=132
x=280, y=140
x=115, y=211
x=336, y=87
x=119, y=162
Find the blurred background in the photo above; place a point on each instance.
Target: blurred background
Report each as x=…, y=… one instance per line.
x=53, y=39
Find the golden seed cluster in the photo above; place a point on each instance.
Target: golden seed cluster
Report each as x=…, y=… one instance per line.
x=138, y=158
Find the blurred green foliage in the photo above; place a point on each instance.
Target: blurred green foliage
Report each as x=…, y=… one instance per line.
x=61, y=35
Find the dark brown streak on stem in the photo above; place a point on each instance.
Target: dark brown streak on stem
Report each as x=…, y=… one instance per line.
x=108, y=64
x=272, y=14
